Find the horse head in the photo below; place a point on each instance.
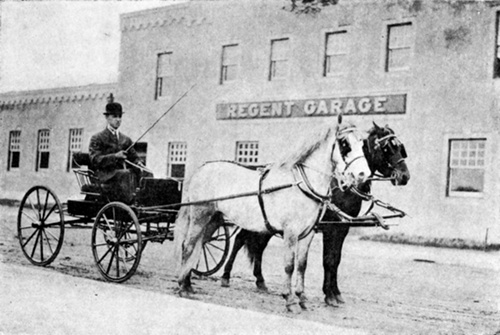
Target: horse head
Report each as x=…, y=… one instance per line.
x=351, y=166
x=387, y=155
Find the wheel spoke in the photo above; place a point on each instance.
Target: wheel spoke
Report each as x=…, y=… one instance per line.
x=41, y=244
x=211, y=255
x=112, y=258
x=38, y=201
x=29, y=239
x=117, y=262
x=124, y=259
x=45, y=217
x=48, y=231
x=105, y=254
x=36, y=243
x=206, y=260
x=29, y=217
x=37, y=214
x=48, y=241
x=45, y=206
x=214, y=246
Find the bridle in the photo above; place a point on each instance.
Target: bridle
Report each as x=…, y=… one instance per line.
x=384, y=142
x=341, y=134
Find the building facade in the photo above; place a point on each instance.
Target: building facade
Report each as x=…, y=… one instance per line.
x=40, y=131
x=265, y=77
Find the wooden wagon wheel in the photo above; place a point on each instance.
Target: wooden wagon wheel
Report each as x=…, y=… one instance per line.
x=40, y=225
x=116, y=242
x=214, y=252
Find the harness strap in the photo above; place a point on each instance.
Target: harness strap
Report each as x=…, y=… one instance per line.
x=270, y=228
x=309, y=191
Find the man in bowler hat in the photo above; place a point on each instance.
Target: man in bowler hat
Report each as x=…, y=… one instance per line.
x=108, y=153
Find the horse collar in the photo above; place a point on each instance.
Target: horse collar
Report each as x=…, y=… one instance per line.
x=309, y=190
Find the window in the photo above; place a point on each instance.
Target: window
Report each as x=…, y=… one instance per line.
x=336, y=47
x=399, y=42
x=247, y=152
x=279, y=59
x=466, y=166
x=177, y=152
x=75, y=145
x=496, y=72
x=14, y=150
x=142, y=151
x=43, y=154
x=230, y=60
x=164, y=75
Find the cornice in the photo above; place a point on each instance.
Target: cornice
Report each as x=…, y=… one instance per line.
x=56, y=95
x=182, y=14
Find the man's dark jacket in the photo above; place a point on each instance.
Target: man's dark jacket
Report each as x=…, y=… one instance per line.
x=103, y=147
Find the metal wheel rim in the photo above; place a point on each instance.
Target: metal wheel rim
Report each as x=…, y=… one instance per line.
x=116, y=242
x=40, y=225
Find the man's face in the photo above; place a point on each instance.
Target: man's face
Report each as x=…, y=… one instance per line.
x=114, y=120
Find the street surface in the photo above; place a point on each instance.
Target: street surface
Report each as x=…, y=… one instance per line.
x=388, y=288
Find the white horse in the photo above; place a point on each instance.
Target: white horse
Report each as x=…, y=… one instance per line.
x=287, y=200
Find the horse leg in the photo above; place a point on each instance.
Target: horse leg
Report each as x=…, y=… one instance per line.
x=290, y=242
x=333, y=241
x=239, y=242
x=261, y=243
x=191, y=246
x=302, y=251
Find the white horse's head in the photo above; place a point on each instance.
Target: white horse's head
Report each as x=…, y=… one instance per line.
x=351, y=167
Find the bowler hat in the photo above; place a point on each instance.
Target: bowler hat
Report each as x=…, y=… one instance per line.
x=113, y=108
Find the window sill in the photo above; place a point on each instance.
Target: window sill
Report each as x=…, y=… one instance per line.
x=461, y=195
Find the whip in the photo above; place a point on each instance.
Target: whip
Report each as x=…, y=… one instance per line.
x=158, y=120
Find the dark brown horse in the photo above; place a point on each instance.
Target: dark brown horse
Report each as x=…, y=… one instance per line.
x=386, y=155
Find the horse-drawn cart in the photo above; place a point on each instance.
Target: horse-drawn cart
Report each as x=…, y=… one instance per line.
x=120, y=231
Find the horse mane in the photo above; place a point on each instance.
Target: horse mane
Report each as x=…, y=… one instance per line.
x=308, y=146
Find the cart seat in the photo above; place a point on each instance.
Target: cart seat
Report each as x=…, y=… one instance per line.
x=85, y=176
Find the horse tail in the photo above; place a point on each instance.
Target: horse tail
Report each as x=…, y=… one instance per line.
x=255, y=243
x=180, y=234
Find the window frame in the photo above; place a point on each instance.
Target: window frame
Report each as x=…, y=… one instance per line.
x=71, y=164
x=388, y=48
x=183, y=158
x=16, y=136
x=461, y=194
x=39, y=152
x=272, y=60
x=224, y=66
x=246, y=156
x=160, y=81
x=326, y=56
x=496, y=60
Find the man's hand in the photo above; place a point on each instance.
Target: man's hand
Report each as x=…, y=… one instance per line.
x=122, y=154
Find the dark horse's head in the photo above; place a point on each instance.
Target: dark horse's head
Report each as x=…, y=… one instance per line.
x=386, y=154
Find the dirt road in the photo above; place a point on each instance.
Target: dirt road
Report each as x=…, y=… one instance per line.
x=388, y=288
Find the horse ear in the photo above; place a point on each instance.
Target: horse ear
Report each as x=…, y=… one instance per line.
x=376, y=125
x=339, y=118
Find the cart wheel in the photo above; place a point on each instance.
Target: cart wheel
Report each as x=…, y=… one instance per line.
x=116, y=242
x=40, y=225
x=214, y=252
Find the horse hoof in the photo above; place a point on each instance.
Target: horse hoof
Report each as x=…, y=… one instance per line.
x=185, y=294
x=339, y=299
x=303, y=305
x=293, y=308
x=262, y=287
x=224, y=282
x=331, y=302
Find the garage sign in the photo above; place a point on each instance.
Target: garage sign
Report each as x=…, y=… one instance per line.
x=361, y=105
